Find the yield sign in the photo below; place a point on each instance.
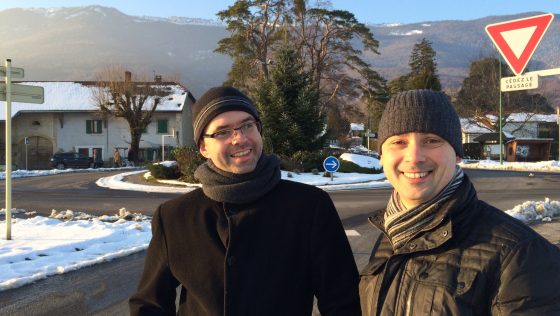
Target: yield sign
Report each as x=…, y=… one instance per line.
x=517, y=39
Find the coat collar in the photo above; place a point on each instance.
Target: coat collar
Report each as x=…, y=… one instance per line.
x=449, y=217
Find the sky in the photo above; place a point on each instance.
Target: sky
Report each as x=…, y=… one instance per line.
x=367, y=11
x=37, y=251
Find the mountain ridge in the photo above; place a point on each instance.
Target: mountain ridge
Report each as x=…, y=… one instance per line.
x=73, y=43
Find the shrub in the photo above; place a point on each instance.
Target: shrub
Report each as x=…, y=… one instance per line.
x=348, y=167
x=188, y=159
x=304, y=161
x=160, y=171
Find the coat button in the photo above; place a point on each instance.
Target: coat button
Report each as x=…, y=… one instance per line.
x=411, y=246
x=445, y=233
x=231, y=260
x=423, y=276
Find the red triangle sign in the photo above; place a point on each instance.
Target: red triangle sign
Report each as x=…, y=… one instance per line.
x=517, y=39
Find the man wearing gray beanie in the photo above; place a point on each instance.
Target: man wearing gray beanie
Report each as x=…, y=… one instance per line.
x=443, y=251
x=247, y=242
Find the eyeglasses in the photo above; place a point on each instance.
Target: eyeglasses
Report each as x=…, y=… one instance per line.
x=247, y=128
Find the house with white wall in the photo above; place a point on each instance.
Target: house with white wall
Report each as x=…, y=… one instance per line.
x=519, y=126
x=69, y=120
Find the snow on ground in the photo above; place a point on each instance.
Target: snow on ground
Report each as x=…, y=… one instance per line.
x=361, y=160
x=544, y=166
x=67, y=240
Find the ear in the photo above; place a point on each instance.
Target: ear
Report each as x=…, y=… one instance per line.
x=202, y=149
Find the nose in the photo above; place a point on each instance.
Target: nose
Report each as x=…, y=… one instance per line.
x=238, y=136
x=414, y=153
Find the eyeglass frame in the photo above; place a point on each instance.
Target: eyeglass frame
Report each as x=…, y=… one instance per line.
x=238, y=129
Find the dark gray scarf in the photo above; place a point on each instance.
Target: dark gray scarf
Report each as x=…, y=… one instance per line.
x=235, y=188
x=401, y=224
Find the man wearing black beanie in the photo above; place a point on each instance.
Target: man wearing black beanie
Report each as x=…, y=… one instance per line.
x=247, y=243
x=443, y=251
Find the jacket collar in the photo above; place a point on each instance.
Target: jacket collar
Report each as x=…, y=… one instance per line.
x=448, y=218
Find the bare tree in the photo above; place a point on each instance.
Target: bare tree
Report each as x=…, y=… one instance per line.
x=478, y=98
x=117, y=95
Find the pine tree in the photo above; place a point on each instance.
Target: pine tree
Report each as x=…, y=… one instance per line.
x=423, y=67
x=289, y=106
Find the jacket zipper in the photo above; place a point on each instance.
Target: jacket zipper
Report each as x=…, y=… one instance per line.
x=409, y=301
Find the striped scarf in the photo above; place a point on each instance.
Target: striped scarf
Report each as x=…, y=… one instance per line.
x=402, y=224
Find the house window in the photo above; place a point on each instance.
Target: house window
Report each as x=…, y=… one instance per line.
x=93, y=127
x=162, y=126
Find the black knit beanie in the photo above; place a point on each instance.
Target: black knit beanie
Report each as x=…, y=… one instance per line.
x=216, y=101
x=421, y=111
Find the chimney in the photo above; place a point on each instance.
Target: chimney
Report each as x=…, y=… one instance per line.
x=127, y=76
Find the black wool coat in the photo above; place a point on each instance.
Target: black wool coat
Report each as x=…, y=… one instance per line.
x=477, y=261
x=269, y=257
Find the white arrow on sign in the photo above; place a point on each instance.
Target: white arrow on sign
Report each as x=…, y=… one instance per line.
x=23, y=93
x=332, y=164
x=16, y=72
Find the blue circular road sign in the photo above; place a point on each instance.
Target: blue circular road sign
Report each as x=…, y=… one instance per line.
x=331, y=164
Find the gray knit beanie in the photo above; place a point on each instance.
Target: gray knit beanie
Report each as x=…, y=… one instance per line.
x=421, y=111
x=216, y=101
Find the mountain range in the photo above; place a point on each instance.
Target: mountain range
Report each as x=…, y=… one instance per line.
x=70, y=44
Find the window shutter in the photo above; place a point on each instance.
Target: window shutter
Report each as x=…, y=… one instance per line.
x=88, y=126
x=98, y=125
x=162, y=126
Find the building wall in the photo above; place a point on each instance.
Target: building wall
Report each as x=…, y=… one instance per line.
x=186, y=136
x=115, y=133
x=40, y=132
x=61, y=132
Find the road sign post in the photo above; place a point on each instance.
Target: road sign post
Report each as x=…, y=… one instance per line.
x=331, y=165
x=516, y=40
x=18, y=93
x=558, y=121
x=8, y=159
x=369, y=135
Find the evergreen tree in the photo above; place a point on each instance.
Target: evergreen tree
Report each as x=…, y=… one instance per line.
x=375, y=95
x=254, y=26
x=397, y=85
x=289, y=106
x=423, y=68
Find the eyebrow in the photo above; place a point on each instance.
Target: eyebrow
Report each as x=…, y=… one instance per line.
x=247, y=119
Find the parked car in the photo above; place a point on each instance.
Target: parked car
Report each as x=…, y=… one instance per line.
x=71, y=160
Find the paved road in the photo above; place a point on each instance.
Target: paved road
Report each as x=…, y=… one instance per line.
x=78, y=192
x=103, y=289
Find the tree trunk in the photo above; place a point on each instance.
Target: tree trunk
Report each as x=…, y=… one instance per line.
x=135, y=135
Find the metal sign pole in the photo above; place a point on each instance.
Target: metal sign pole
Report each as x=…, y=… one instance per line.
x=26, y=154
x=500, y=115
x=8, y=149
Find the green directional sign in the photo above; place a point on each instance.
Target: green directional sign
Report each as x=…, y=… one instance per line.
x=17, y=73
x=23, y=93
